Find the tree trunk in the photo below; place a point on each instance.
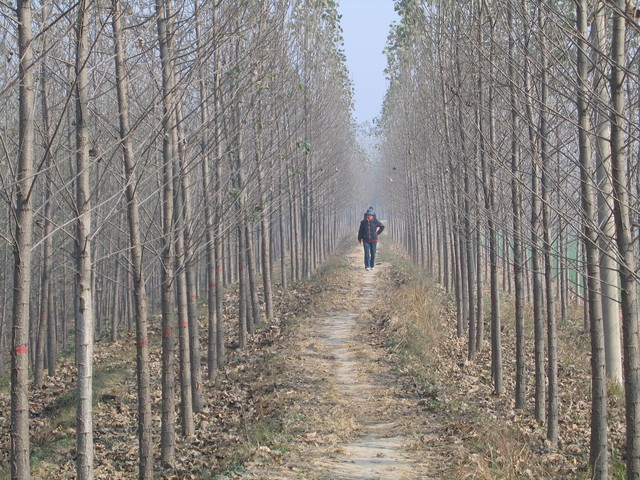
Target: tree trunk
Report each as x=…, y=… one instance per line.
x=84, y=299
x=552, y=349
x=283, y=237
x=20, y=469
x=219, y=238
x=481, y=173
x=470, y=263
x=265, y=238
x=145, y=421
x=44, y=330
x=516, y=204
x=169, y=145
x=242, y=289
x=186, y=400
x=187, y=260
x=564, y=279
x=625, y=241
x=186, y=274
x=598, y=444
x=608, y=264
x=460, y=273
x=536, y=273
x=496, y=320
x=253, y=281
x=116, y=300
x=212, y=323
x=182, y=294
x=294, y=230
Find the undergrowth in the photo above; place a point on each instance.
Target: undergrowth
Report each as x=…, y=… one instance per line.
x=253, y=415
x=489, y=438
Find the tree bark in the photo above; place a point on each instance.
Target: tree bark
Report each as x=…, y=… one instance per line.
x=516, y=205
x=207, y=186
x=598, y=445
x=265, y=235
x=84, y=298
x=169, y=146
x=145, y=421
x=625, y=242
x=20, y=469
x=185, y=256
x=470, y=263
x=256, y=312
x=496, y=320
x=536, y=271
x=218, y=239
x=608, y=265
x=44, y=329
x=545, y=171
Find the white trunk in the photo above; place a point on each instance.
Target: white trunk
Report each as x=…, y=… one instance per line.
x=145, y=445
x=84, y=299
x=608, y=265
x=625, y=241
x=598, y=458
x=22, y=254
x=168, y=422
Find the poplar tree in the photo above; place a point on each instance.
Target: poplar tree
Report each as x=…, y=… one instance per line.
x=23, y=214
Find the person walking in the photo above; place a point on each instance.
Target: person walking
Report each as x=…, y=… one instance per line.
x=370, y=228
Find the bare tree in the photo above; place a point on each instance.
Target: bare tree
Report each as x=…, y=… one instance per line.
x=598, y=453
x=545, y=173
x=625, y=242
x=20, y=469
x=84, y=295
x=608, y=267
x=145, y=444
x=169, y=152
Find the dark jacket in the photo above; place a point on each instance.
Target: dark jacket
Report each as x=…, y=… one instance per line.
x=370, y=229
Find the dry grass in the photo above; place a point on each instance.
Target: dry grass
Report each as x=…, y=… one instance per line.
x=417, y=322
x=485, y=436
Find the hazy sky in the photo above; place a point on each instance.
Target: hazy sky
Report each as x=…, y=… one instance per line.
x=365, y=25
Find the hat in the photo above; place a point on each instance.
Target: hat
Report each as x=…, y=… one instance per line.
x=370, y=212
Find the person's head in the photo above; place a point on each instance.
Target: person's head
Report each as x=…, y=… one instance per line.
x=370, y=214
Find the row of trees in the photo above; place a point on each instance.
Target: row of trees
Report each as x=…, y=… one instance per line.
x=513, y=129
x=158, y=153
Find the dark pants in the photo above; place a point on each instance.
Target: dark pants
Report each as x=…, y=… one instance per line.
x=369, y=254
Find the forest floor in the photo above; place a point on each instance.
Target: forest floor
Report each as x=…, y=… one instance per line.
x=360, y=376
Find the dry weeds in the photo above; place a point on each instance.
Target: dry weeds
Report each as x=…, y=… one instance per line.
x=487, y=437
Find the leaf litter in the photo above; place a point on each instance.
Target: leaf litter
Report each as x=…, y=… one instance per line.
x=283, y=408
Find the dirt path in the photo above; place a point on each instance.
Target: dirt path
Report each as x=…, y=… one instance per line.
x=373, y=428
x=377, y=451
